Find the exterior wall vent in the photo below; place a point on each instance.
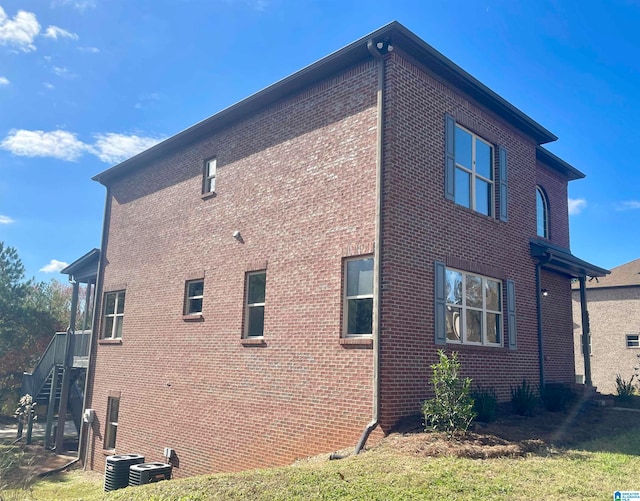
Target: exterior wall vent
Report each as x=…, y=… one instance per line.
x=116, y=470
x=147, y=473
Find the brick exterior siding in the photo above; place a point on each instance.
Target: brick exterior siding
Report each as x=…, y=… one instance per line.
x=614, y=312
x=297, y=180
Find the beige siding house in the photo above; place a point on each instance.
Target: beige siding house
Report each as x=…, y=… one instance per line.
x=614, y=318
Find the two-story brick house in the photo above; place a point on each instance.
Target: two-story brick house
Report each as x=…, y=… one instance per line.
x=277, y=279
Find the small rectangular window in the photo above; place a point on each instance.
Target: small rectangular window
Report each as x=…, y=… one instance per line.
x=254, y=311
x=210, y=176
x=113, y=315
x=633, y=341
x=194, y=297
x=111, y=429
x=358, y=297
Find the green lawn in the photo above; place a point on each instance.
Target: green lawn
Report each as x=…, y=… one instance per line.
x=593, y=470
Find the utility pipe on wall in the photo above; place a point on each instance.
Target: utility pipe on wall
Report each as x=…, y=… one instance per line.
x=377, y=49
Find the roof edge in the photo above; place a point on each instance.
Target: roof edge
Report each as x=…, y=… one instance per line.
x=556, y=163
x=343, y=58
x=560, y=259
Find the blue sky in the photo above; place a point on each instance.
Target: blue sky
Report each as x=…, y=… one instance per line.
x=85, y=84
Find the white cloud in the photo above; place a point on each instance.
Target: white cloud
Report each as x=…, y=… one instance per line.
x=5, y=219
x=49, y=85
x=110, y=147
x=114, y=148
x=4, y=81
x=144, y=100
x=63, y=72
x=53, y=266
x=36, y=143
x=91, y=50
x=628, y=205
x=20, y=31
x=55, y=32
x=576, y=205
x=259, y=5
x=80, y=5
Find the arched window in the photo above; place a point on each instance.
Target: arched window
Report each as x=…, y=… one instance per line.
x=542, y=213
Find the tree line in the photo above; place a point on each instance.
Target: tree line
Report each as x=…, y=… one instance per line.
x=31, y=313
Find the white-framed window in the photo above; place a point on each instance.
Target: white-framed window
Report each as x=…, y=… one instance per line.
x=473, y=309
x=542, y=213
x=254, y=307
x=113, y=315
x=210, y=167
x=111, y=428
x=194, y=295
x=633, y=340
x=474, y=176
x=358, y=297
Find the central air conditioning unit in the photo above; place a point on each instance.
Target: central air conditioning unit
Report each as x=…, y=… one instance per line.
x=116, y=470
x=147, y=473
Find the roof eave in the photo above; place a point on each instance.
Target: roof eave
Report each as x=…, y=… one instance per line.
x=563, y=261
x=85, y=267
x=556, y=163
x=343, y=58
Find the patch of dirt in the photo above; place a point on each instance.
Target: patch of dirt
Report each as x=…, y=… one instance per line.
x=511, y=435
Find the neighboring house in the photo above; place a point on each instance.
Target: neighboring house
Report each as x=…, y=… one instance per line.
x=277, y=279
x=614, y=321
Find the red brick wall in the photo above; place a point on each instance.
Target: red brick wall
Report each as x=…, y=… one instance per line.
x=421, y=227
x=298, y=182
x=555, y=187
x=557, y=329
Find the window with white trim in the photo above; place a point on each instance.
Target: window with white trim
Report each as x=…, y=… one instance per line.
x=633, y=341
x=542, y=213
x=254, y=308
x=210, y=169
x=194, y=297
x=358, y=297
x=473, y=309
x=111, y=428
x=473, y=172
x=113, y=315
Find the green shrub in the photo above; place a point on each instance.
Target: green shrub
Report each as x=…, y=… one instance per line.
x=523, y=399
x=625, y=389
x=452, y=408
x=556, y=396
x=485, y=404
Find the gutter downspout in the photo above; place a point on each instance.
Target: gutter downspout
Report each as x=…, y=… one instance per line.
x=377, y=51
x=539, y=265
x=586, y=328
x=94, y=320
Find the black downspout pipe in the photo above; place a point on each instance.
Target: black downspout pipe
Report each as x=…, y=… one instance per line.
x=377, y=50
x=83, y=448
x=586, y=353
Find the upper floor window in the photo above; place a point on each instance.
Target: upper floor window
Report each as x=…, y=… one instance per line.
x=542, y=213
x=254, y=310
x=358, y=297
x=473, y=309
x=113, y=315
x=194, y=297
x=210, y=176
x=474, y=172
x=633, y=341
x=470, y=172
